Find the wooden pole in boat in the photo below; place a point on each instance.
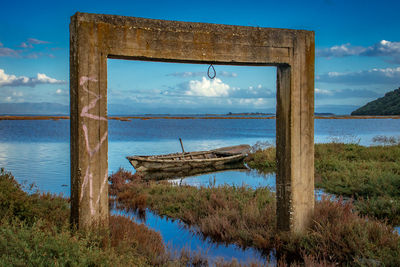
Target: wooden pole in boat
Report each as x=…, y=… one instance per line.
x=183, y=150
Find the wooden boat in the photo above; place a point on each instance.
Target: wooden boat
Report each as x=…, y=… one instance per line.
x=216, y=159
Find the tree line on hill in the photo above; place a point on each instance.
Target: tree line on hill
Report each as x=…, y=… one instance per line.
x=386, y=105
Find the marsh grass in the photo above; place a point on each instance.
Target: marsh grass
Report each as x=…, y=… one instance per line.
x=35, y=231
x=338, y=234
x=17, y=204
x=228, y=214
x=369, y=175
x=246, y=217
x=262, y=159
x=386, y=140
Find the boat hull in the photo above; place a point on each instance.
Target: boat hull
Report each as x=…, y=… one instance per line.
x=143, y=165
x=216, y=159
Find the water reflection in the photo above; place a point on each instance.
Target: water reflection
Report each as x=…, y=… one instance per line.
x=183, y=171
x=46, y=164
x=236, y=177
x=178, y=236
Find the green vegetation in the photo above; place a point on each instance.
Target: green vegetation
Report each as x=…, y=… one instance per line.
x=227, y=214
x=262, y=159
x=34, y=231
x=246, y=217
x=387, y=105
x=369, y=175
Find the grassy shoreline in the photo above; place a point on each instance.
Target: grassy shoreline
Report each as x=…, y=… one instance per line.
x=368, y=175
x=34, y=228
x=246, y=217
x=342, y=232
x=35, y=231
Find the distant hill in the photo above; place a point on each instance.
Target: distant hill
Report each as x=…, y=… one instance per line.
x=387, y=105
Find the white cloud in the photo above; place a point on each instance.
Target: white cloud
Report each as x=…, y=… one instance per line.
x=186, y=74
x=383, y=48
x=25, y=51
x=39, y=54
x=217, y=88
x=345, y=93
x=43, y=78
x=254, y=92
x=6, y=79
x=208, y=88
x=61, y=92
x=36, y=41
x=340, y=51
x=8, y=52
x=12, y=80
x=25, y=45
x=12, y=96
x=372, y=76
x=322, y=92
x=252, y=101
x=227, y=74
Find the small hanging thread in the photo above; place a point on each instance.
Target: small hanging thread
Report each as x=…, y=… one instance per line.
x=214, y=72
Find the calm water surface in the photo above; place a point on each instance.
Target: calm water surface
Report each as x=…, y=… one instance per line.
x=38, y=152
x=177, y=236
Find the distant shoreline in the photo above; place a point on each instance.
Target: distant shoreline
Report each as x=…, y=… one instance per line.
x=208, y=117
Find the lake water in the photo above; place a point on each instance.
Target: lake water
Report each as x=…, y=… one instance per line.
x=177, y=236
x=38, y=152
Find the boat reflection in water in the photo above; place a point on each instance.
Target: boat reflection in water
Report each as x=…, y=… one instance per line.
x=164, y=175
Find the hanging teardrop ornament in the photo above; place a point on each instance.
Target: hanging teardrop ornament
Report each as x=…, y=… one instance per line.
x=213, y=70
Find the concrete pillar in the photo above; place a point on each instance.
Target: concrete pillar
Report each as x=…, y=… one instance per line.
x=295, y=138
x=89, y=132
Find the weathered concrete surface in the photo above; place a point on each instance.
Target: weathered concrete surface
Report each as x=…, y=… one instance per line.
x=94, y=38
x=295, y=137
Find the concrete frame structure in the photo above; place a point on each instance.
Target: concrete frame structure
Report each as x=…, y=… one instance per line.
x=95, y=37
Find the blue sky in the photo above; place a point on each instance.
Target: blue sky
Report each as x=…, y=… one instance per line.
x=357, y=57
